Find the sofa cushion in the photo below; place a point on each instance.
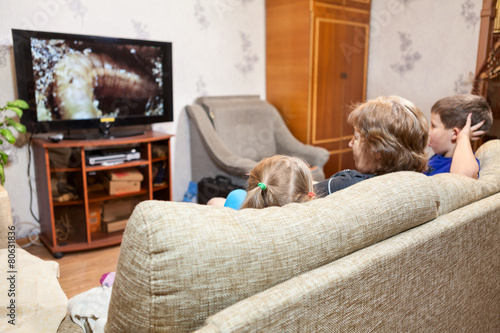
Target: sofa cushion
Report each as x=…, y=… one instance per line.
x=181, y=262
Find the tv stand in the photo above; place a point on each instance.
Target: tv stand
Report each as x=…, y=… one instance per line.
x=69, y=225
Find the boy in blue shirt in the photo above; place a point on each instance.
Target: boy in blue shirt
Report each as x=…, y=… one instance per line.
x=451, y=133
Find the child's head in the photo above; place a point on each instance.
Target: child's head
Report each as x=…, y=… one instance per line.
x=392, y=133
x=278, y=180
x=453, y=111
x=448, y=117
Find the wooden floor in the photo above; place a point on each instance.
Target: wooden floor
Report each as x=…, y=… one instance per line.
x=80, y=271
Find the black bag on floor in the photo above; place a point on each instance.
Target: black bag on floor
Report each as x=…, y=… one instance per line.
x=209, y=187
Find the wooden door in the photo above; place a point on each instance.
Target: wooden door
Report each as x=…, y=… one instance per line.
x=339, y=68
x=316, y=65
x=287, y=62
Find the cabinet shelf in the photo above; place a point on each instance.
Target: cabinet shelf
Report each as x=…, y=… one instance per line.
x=159, y=159
x=99, y=196
x=74, y=225
x=66, y=170
x=68, y=203
x=160, y=187
x=131, y=164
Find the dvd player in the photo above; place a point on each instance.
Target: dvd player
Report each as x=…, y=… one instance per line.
x=112, y=157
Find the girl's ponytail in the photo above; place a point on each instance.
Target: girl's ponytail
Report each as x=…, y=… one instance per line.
x=277, y=181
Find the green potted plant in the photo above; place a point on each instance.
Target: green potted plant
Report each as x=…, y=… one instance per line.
x=5, y=133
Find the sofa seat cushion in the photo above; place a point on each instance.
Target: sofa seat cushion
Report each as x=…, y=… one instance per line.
x=181, y=262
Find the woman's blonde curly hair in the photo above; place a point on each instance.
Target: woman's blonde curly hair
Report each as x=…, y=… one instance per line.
x=394, y=132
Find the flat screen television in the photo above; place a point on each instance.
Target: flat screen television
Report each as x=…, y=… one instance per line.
x=82, y=82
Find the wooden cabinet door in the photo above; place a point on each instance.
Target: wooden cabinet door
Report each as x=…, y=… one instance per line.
x=316, y=65
x=339, y=66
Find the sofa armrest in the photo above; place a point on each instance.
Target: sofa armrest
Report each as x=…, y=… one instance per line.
x=224, y=159
x=487, y=154
x=287, y=144
x=40, y=302
x=5, y=217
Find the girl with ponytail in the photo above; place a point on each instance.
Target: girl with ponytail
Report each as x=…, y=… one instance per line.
x=275, y=181
x=278, y=180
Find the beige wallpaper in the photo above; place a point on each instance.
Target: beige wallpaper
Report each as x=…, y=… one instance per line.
x=423, y=50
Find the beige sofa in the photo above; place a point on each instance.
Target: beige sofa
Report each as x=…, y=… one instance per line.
x=31, y=298
x=397, y=253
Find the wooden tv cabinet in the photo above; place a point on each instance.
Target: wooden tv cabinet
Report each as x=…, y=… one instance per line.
x=68, y=222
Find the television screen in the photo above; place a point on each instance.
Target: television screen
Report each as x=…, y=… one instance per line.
x=80, y=82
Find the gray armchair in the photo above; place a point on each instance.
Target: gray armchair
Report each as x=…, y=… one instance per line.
x=229, y=135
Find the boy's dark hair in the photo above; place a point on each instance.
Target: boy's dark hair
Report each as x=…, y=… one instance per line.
x=453, y=111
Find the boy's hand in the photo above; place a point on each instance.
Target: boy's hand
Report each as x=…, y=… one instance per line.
x=470, y=132
x=464, y=162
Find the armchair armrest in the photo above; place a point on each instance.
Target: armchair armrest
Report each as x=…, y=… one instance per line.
x=224, y=159
x=287, y=144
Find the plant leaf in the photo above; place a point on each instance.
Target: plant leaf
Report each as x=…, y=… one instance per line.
x=3, y=157
x=2, y=175
x=7, y=134
x=17, y=110
x=19, y=103
x=19, y=127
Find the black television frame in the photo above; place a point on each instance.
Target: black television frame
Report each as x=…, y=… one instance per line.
x=26, y=83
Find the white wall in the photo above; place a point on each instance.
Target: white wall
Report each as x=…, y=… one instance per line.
x=218, y=49
x=423, y=50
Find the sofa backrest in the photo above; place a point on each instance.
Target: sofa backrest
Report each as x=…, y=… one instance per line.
x=437, y=277
x=441, y=276
x=180, y=262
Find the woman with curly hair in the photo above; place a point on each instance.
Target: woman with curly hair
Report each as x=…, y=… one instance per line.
x=390, y=134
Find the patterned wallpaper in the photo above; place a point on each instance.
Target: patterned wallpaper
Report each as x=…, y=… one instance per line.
x=423, y=50
x=419, y=49
x=218, y=49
